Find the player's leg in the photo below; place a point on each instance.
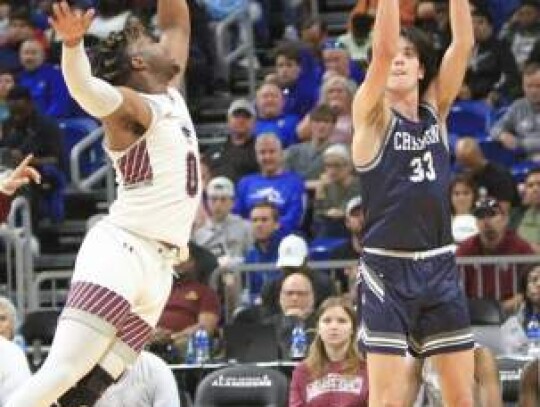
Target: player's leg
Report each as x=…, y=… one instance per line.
x=456, y=376
x=385, y=388
x=104, y=285
x=443, y=332
x=75, y=350
x=135, y=329
x=383, y=330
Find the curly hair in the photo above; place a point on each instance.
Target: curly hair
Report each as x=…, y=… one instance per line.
x=111, y=59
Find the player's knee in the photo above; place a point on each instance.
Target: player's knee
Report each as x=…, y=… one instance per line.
x=88, y=390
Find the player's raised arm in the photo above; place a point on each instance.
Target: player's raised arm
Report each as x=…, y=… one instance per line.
x=173, y=20
x=96, y=96
x=368, y=100
x=446, y=86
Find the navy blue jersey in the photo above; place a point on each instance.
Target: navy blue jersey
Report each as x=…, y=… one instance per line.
x=406, y=186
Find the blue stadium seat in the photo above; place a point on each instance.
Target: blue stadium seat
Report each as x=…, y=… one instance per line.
x=469, y=118
x=320, y=248
x=521, y=169
x=494, y=151
x=75, y=129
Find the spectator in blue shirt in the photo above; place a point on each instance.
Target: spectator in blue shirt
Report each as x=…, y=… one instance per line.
x=336, y=59
x=273, y=184
x=271, y=118
x=299, y=86
x=44, y=81
x=264, y=217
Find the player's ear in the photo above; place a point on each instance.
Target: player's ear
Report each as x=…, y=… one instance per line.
x=138, y=63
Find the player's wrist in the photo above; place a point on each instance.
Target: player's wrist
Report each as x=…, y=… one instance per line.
x=73, y=42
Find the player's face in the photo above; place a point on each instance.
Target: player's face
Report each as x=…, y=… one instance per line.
x=155, y=57
x=533, y=286
x=406, y=70
x=532, y=190
x=531, y=88
x=6, y=325
x=287, y=70
x=462, y=198
x=335, y=327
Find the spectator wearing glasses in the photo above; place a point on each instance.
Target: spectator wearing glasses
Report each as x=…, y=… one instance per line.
x=337, y=185
x=293, y=255
x=296, y=303
x=494, y=238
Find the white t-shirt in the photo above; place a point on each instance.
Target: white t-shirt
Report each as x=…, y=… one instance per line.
x=148, y=383
x=14, y=368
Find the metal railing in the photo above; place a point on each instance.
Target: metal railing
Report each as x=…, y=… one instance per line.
x=16, y=234
x=245, y=48
x=54, y=295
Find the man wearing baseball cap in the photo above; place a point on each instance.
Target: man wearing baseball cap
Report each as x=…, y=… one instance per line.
x=494, y=238
x=226, y=235
x=236, y=157
x=293, y=254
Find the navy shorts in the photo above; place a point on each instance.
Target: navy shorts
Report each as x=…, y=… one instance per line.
x=412, y=305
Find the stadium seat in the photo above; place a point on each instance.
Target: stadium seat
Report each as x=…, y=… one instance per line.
x=320, y=248
x=248, y=315
x=469, y=119
x=521, y=169
x=38, y=331
x=243, y=386
x=76, y=129
x=485, y=311
x=494, y=151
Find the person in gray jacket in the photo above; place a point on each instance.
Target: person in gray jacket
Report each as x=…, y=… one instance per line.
x=227, y=236
x=519, y=128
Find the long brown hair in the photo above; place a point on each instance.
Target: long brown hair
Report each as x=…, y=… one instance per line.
x=317, y=360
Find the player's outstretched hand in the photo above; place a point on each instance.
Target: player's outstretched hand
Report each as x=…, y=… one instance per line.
x=70, y=24
x=22, y=175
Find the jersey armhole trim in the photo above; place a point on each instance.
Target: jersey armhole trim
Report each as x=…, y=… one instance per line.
x=377, y=159
x=442, y=126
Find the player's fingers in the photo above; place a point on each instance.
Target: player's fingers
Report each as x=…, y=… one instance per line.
x=33, y=174
x=57, y=12
x=65, y=10
x=24, y=163
x=88, y=17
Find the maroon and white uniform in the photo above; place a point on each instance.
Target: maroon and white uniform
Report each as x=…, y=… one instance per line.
x=123, y=272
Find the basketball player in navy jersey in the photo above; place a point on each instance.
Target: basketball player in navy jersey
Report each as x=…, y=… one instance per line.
x=123, y=272
x=411, y=299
